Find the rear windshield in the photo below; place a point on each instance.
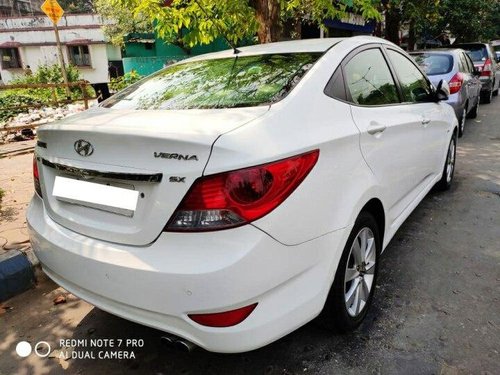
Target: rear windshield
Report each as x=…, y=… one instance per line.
x=434, y=64
x=477, y=52
x=220, y=83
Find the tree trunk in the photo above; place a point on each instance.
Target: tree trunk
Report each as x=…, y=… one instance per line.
x=291, y=29
x=268, y=16
x=411, y=36
x=298, y=28
x=392, y=21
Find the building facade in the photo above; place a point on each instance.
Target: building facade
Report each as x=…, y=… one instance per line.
x=30, y=41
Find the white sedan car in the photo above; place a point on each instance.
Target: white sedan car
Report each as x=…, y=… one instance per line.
x=233, y=197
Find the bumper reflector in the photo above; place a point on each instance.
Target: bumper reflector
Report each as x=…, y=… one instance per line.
x=223, y=319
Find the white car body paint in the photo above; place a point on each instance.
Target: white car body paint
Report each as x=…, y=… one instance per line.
x=285, y=261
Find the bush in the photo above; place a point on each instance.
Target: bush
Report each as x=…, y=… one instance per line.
x=9, y=99
x=50, y=74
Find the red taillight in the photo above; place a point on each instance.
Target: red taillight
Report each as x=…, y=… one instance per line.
x=223, y=319
x=238, y=197
x=487, y=70
x=456, y=83
x=36, y=177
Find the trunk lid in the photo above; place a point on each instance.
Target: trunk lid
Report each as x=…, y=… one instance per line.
x=159, y=154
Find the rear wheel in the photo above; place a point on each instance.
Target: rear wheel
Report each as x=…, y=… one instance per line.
x=461, y=121
x=487, y=96
x=352, y=290
x=449, y=166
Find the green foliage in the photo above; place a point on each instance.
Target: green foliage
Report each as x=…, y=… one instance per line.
x=186, y=23
x=73, y=6
x=10, y=99
x=121, y=20
x=49, y=74
x=469, y=20
x=128, y=79
x=317, y=11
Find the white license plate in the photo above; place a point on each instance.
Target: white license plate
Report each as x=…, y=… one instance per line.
x=102, y=197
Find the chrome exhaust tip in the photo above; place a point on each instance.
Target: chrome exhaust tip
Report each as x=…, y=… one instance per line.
x=177, y=342
x=184, y=345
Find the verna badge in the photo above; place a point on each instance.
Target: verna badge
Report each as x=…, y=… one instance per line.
x=83, y=148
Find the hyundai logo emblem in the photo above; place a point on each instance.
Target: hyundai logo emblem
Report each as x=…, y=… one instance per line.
x=83, y=148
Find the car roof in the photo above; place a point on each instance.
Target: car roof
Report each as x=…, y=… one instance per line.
x=319, y=45
x=438, y=51
x=441, y=51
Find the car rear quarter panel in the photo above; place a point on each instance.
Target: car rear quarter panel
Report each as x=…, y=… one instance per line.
x=306, y=120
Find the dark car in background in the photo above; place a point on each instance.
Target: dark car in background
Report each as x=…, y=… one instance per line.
x=456, y=67
x=486, y=61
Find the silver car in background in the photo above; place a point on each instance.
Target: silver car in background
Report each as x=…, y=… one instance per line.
x=457, y=68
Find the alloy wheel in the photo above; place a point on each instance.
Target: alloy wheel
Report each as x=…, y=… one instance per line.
x=360, y=272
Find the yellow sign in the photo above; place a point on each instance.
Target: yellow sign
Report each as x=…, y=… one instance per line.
x=53, y=10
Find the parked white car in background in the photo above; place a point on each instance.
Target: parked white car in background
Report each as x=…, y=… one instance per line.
x=231, y=198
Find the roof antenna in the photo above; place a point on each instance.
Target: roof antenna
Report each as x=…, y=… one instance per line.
x=235, y=50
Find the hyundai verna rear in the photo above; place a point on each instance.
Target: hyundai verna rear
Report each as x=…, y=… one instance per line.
x=231, y=198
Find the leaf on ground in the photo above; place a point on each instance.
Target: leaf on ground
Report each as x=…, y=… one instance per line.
x=59, y=299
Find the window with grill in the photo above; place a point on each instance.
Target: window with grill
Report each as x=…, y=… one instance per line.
x=10, y=58
x=79, y=55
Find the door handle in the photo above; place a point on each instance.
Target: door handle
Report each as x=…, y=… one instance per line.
x=426, y=121
x=376, y=129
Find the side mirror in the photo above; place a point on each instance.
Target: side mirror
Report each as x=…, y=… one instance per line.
x=476, y=72
x=442, y=91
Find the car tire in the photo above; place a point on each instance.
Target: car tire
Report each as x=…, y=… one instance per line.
x=495, y=93
x=349, y=300
x=461, y=121
x=475, y=110
x=449, y=166
x=486, y=97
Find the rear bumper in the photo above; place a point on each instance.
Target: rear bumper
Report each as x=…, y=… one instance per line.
x=486, y=84
x=158, y=285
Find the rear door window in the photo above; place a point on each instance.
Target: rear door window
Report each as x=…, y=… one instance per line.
x=464, y=68
x=434, y=64
x=218, y=83
x=415, y=86
x=470, y=64
x=369, y=80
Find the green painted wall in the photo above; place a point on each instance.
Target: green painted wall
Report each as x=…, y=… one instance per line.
x=147, y=58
